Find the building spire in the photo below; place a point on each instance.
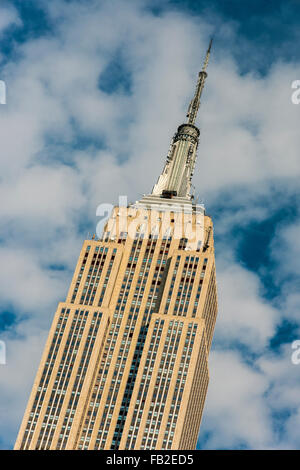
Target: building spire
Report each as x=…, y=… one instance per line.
x=176, y=178
x=195, y=103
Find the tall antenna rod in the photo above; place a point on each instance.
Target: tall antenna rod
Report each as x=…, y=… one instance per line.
x=195, y=103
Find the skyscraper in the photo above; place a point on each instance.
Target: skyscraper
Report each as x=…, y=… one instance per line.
x=125, y=365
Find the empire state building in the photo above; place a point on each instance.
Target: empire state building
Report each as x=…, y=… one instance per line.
x=125, y=365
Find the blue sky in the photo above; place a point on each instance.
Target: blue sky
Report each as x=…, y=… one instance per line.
x=95, y=91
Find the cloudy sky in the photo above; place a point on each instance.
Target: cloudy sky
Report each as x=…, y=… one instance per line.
x=95, y=91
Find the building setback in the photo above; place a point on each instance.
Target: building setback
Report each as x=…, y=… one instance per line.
x=125, y=365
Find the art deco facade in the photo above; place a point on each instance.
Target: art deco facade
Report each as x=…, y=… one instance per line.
x=125, y=365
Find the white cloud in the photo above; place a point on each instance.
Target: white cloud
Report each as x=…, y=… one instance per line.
x=288, y=240
x=25, y=284
x=8, y=17
x=285, y=250
x=17, y=377
x=243, y=316
x=235, y=412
